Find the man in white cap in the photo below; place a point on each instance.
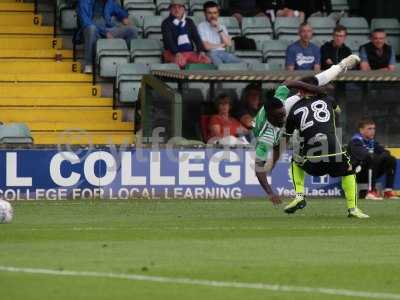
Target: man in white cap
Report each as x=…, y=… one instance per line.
x=182, y=41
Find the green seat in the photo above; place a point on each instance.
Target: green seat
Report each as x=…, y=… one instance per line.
x=143, y=7
x=196, y=7
x=15, y=133
x=197, y=19
x=391, y=25
x=195, y=67
x=152, y=27
x=128, y=81
x=250, y=56
x=340, y=5
x=137, y=21
x=322, y=25
x=286, y=25
x=355, y=25
x=231, y=25
x=355, y=42
x=157, y=67
x=110, y=54
x=267, y=67
x=146, y=51
x=67, y=16
x=258, y=28
x=232, y=67
x=275, y=51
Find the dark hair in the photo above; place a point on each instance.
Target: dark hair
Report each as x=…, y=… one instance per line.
x=271, y=102
x=340, y=28
x=378, y=30
x=364, y=122
x=254, y=86
x=310, y=80
x=210, y=4
x=221, y=97
x=304, y=24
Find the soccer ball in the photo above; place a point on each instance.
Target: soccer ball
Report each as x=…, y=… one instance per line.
x=6, y=212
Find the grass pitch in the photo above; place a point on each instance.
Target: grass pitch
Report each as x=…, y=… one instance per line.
x=243, y=242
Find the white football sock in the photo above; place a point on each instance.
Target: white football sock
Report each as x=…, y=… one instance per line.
x=328, y=75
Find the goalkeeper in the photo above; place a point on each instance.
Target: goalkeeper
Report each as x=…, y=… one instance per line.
x=271, y=118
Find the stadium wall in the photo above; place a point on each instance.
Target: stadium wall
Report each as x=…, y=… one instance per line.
x=110, y=173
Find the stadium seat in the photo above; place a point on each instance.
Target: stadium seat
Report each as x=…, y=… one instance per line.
x=250, y=56
x=231, y=25
x=198, y=19
x=275, y=52
x=155, y=67
x=340, y=5
x=257, y=28
x=142, y=7
x=323, y=28
x=128, y=81
x=196, y=7
x=392, y=29
x=233, y=67
x=146, y=51
x=152, y=27
x=68, y=19
x=287, y=28
x=137, y=21
x=355, y=42
x=196, y=67
x=111, y=53
x=355, y=25
x=15, y=133
x=265, y=67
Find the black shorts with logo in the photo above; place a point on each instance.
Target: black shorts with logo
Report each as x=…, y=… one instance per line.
x=334, y=166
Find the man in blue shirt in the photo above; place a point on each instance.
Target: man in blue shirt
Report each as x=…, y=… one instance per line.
x=303, y=55
x=367, y=154
x=96, y=20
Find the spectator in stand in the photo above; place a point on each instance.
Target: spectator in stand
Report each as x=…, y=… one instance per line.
x=95, y=17
x=180, y=37
x=303, y=55
x=222, y=126
x=334, y=51
x=377, y=55
x=250, y=104
x=368, y=154
x=240, y=9
x=215, y=37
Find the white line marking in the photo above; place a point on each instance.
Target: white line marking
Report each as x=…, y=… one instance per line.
x=209, y=283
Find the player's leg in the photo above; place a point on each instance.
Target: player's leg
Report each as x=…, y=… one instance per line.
x=349, y=185
x=342, y=167
x=297, y=174
x=330, y=74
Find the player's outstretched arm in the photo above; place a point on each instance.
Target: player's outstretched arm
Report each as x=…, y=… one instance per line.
x=261, y=174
